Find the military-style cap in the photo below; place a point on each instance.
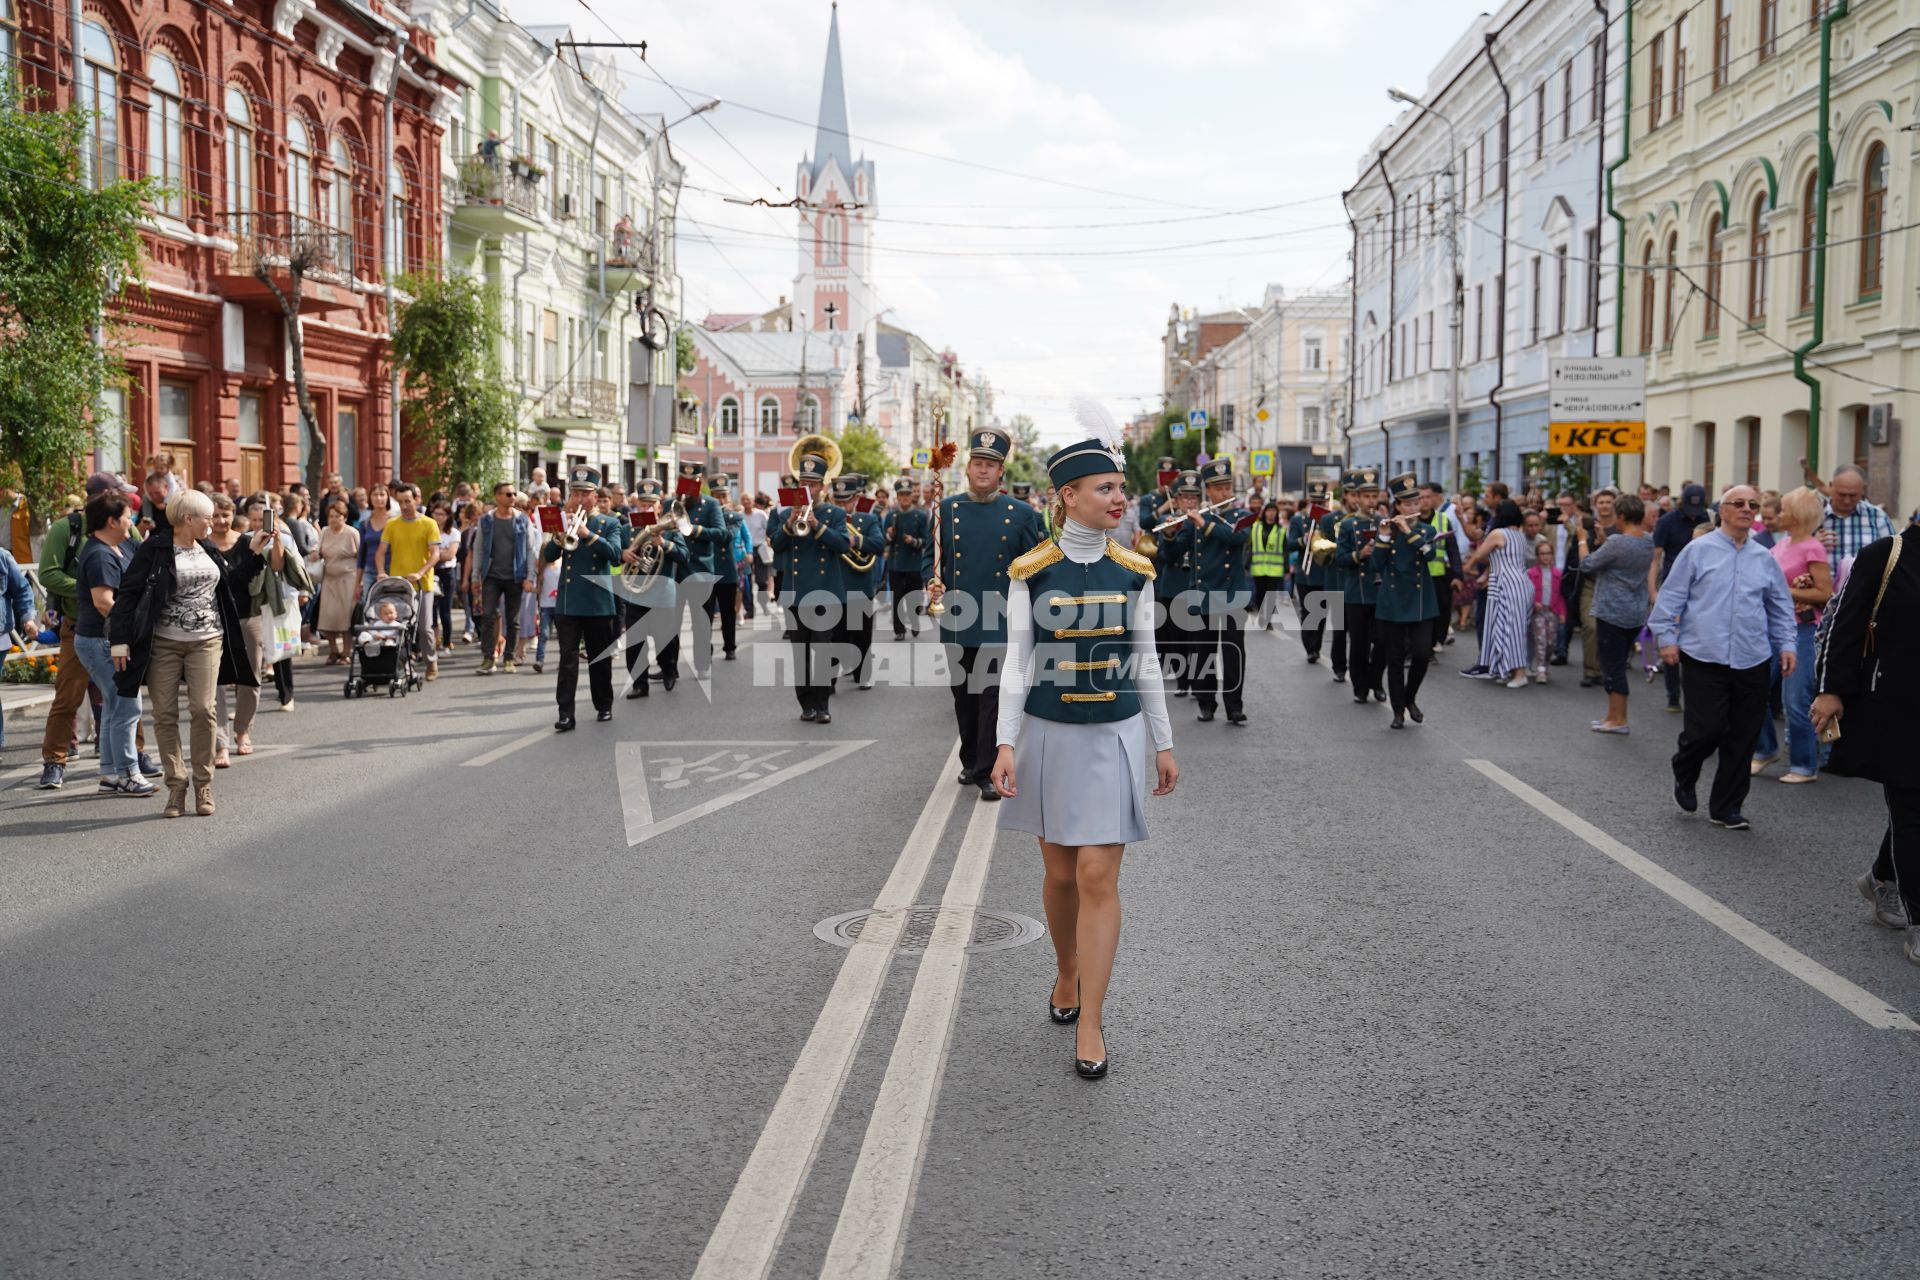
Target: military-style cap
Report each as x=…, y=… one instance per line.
x=1023, y=488
x=1087, y=458
x=788, y=480
x=1216, y=471
x=848, y=486
x=719, y=481
x=1189, y=482
x=989, y=442
x=813, y=469
x=1405, y=485
x=1361, y=478
x=648, y=488
x=1168, y=463
x=1317, y=491
x=583, y=477
x=903, y=485
x=692, y=470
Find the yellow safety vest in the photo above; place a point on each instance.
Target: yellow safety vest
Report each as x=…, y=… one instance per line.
x=1269, y=550
x=1437, y=554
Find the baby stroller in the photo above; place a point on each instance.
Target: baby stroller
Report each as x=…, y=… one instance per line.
x=382, y=652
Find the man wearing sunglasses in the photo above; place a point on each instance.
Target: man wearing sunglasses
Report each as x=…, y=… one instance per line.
x=1723, y=615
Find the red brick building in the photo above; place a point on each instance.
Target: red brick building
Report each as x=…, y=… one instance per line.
x=269, y=123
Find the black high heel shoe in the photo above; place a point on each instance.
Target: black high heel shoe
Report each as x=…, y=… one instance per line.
x=1092, y=1069
x=1063, y=1016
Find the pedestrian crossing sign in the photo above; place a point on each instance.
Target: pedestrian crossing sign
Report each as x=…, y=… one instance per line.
x=1177, y=430
x=1261, y=463
x=923, y=457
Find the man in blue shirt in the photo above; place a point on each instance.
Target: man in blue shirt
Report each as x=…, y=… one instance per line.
x=1724, y=613
x=502, y=565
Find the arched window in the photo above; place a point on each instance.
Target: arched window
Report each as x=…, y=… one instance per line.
x=830, y=239
x=240, y=159
x=1809, y=228
x=1757, y=260
x=342, y=199
x=299, y=169
x=769, y=416
x=729, y=416
x=1710, y=305
x=1673, y=278
x=809, y=415
x=1647, y=286
x=166, y=138
x=1873, y=222
x=100, y=95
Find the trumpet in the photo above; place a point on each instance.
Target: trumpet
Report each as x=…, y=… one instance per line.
x=576, y=524
x=678, y=514
x=1181, y=518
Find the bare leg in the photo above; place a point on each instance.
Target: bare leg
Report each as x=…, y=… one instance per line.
x=1061, y=895
x=1097, y=877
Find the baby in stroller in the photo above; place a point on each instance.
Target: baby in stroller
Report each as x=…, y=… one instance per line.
x=382, y=653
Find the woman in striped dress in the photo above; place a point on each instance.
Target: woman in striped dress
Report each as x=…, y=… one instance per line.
x=1503, y=642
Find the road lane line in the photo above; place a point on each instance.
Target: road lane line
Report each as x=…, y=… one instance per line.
x=1862, y=1004
x=872, y=1230
x=750, y=1229
x=504, y=750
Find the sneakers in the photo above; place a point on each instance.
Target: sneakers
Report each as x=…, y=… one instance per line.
x=1477, y=672
x=1912, y=948
x=485, y=668
x=1685, y=796
x=1884, y=896
x=127, y=784
x=510, y=666
x=148, y=767
x=1735, y=821
x=53, y=776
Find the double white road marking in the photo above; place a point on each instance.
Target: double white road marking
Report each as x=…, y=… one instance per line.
x=873, y=1219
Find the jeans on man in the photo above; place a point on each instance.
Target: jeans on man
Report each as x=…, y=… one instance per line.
x=118, y=715
x=495, y=592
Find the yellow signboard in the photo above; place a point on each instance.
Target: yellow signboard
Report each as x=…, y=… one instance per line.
x=1261, y=463
x=923, y=457
x=1597, y=437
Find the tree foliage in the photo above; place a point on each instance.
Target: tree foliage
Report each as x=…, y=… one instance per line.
x=1143, y=459
x=460, y=415
x=684, y=354
x=1559, y=472
x=1029, y=461
x=66, y=251
x=863, y=453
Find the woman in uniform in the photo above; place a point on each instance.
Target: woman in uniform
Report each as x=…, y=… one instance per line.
x=1404, y=603
x=1080, y=687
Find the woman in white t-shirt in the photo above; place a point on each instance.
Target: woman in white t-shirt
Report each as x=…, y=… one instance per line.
x=549, y=601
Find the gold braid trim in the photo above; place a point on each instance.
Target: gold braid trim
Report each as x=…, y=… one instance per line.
x=1032, y=562
x=1130, y=560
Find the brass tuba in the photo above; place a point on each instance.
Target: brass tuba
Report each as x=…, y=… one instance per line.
x=815, y=445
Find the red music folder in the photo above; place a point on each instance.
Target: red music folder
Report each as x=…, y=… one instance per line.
x=641, y=519
x=1244, y=522
x=550, y=520
x=863, y=505
x=1167, y=478
x=687, y=487
x=793, y=497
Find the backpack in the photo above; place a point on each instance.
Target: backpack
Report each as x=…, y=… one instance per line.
x=70, y=563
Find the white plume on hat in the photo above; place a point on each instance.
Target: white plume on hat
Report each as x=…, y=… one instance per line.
x=1097, y=422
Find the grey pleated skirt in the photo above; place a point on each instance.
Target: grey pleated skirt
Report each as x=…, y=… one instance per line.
x=1079, y=783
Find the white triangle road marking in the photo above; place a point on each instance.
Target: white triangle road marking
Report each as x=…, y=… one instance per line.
x=630, y=769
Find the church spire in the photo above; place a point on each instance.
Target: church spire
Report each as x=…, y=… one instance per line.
x=830, y=136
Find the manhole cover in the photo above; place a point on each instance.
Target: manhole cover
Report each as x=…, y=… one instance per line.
x=992, y=930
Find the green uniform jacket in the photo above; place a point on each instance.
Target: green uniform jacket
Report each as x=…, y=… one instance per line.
x=978, y=543
x=711, y=542
x=1400, y=577
x=906, y=536
x=1312, y=576
x=659, y=590
x=581, y=596
x=1220, y=561
x=811, y=565
x=1356, y=580
x=865, y=536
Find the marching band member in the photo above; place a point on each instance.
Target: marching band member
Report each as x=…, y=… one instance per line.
x=1083, y=690
x=1220, y=560
x=1156, y=505
x=981, y=531
x=809, y=542
x=585, y=607
x=862, y=584
x=778, y=516
x=905, y=529
x=1353, y=544
x=1309, y=570
x=1179, y=576
x=654, y=562
x=725, y=601
x=709, y=542
x=1404, y=603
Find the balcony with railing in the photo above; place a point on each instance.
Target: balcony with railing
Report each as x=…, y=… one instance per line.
x=494, y=197
x=627, y=261
x=574, y=401
x=272, y=247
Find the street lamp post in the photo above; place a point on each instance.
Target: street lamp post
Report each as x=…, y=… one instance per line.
x=1456, y=318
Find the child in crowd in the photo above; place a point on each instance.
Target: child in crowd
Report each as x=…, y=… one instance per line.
x=374, y=639
x=161, y=464
x=1548, y=607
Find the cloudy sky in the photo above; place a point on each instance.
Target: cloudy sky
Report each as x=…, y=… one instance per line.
x=1052, y=174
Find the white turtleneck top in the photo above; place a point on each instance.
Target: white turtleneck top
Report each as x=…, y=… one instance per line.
x=1082, y=545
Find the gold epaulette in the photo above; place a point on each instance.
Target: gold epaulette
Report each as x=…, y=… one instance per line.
x=1131, y=560
x=1025, y=566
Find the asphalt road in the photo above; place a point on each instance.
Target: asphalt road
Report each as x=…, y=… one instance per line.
x=440, y=994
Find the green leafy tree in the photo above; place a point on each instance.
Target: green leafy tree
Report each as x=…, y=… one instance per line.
x=863, y=453
x=1029, y=461
x=1559, y=472
x=684, y=355
x=1143, y=459
x=460, y=415
x=1473, y=482
x=66, y=251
